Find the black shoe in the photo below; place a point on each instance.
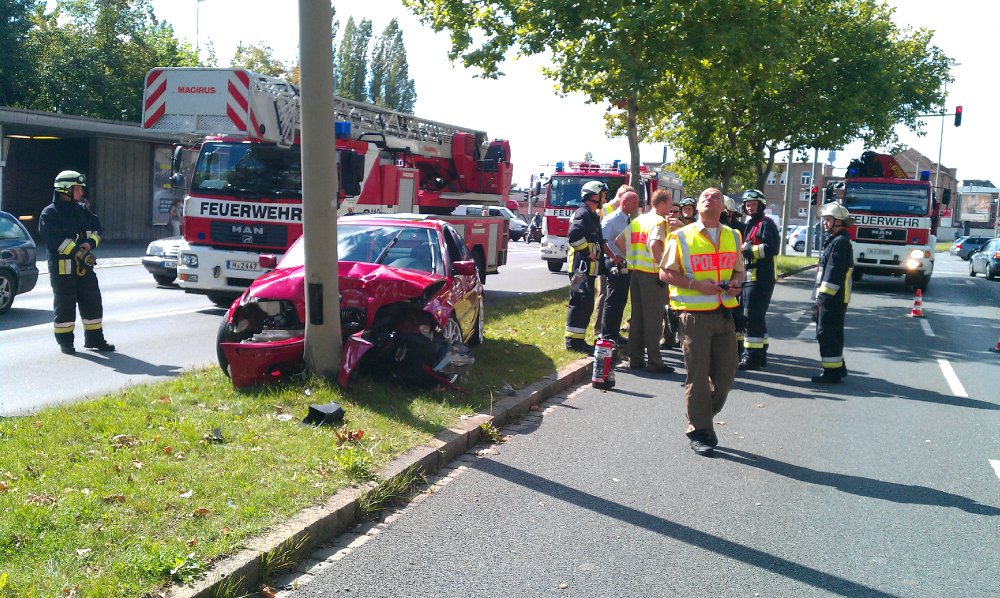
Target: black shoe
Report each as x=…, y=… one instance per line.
x=103, y=346
x=67, y=349
x=829, y=376
x=701, y=446
x=637, y=365
x=579, y=346
x=660, y=369
x=843, y=371
x=712, y=439
x=747, y=363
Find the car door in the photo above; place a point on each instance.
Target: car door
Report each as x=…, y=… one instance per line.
x=464, y=289
x=978, y=259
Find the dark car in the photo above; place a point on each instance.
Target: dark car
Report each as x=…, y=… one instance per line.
x=986, y=259
x=411, y=304
x=18, y=272
x=964, y=246
x=161, y=259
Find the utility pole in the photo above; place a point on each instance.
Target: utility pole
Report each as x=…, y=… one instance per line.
x=809, y=209
x=786, y=208
x=319, y=189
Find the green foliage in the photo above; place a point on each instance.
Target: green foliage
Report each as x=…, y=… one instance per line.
x=389, y=84
x=260, y=59
x=16, y=65
x=351, y=62
x=91, y=57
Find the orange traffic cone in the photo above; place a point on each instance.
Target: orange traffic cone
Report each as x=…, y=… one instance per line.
x=997, y=348
x=918, y=306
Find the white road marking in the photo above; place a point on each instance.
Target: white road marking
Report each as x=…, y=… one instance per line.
x=809, y=333
x=535, y=267
x=996, y=466
x=795, y=315
x=161, y=314
x=927, y=327
x=952, y=378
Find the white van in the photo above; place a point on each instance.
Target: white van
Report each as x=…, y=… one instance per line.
x=518, y=227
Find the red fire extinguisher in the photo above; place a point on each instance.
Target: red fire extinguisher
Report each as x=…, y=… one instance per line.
x=604, y=366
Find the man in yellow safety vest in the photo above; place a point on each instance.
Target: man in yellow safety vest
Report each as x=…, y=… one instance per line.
x=703, y=267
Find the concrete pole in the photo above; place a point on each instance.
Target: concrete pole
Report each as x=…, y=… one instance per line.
x=319, y=189
x=810, y=208
x=786, y=208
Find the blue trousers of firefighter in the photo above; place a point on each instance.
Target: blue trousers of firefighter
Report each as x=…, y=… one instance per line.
x=756, y=299
x=830, y=334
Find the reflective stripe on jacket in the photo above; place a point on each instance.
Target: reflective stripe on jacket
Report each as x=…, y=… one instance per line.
x=701, y=260
x=639, y=257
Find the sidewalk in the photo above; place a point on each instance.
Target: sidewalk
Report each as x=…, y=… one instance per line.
x=110, y=253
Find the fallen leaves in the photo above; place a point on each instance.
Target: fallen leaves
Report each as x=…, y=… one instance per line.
x=114, y=498
x=124, y=441
x=345, y=434
x=41, y=500
x=3, y=486
x=200, y=512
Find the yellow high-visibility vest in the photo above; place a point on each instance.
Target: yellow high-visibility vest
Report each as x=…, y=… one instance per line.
x=702, y=260
x=638, y=255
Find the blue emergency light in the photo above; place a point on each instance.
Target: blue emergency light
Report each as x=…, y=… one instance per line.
x=925, y=175
x=622, y=167
x=342, y=129
x=560, y=166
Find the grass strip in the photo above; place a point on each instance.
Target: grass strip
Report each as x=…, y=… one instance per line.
x=121, y=495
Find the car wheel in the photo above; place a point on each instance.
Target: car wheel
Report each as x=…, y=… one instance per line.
x=990, y=273
x=799, y=246
x=452, y=331
x=972, y=268
x=555, y=265
x=8, y=288
x=225, y=335
x=857, y=275
x=163, y=279
x=223, y=300
x=479, y=334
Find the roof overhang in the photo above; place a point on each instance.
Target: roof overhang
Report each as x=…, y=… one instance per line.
x=36, y=124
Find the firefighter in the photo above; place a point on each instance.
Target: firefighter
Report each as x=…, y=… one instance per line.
x=586, y=245
x=833, y=292
x=689, y=210
x=702, y=266
x=71, y=232
x=761, y=241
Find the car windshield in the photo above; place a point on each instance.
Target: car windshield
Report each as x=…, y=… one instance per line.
x=887, y=198
x=249, y=170
x=395, y=246
x=565, y=190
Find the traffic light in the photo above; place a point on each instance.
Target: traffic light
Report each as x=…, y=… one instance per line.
x=813, y=194
x=958, y=116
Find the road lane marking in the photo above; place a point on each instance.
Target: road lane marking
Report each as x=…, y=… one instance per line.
x=927, y=327
x=952, y=378
x=996, y=466
x=809, y=333
x=161, y=314
x=535, y=267
x=795, y=315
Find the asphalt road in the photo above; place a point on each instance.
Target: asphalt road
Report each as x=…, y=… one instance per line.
x=158, y=331
x=886, y=485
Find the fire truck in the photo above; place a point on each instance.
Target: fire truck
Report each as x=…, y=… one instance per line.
x=895, y=219
x=562, y=198
x=245, y=195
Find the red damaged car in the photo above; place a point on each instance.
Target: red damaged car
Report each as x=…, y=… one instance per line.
x=411, y=305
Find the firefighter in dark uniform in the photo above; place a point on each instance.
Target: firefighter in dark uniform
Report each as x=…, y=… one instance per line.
x=689, y=210
x=71, y=232
x=761, y=242
x=833, y=292
x=587, y=248
x=732, y=217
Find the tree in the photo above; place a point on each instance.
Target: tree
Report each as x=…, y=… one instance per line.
x=352, y=60
x=16, y=66
x=836, y=71
x=614, y=52
x=260, y=59
x=389, y=83
x=92, y=56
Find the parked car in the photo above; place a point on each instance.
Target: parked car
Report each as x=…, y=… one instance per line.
x=18, y=254
x=798, y=238
x=518, y=227
x=986, y=259
x=161, y=259
x=964, y=246
x=411, y=306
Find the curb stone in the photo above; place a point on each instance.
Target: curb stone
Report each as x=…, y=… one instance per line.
x=307, y=531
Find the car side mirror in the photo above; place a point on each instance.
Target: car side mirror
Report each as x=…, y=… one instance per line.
x=464, y=268
x=267, y=261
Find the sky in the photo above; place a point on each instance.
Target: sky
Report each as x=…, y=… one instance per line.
x=544, y=128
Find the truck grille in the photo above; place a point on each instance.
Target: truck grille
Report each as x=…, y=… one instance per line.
x=251, y=235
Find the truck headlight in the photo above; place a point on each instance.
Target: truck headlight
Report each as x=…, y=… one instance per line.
x=912, y=264
x=190, y=260
x=920, y=253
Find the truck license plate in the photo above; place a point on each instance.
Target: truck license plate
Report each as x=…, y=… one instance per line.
x=242, y=265
x=878, y=251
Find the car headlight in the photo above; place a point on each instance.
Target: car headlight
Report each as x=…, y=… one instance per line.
x=155, y=249
x=190, y=260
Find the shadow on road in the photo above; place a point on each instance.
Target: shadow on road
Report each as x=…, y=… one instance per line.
x=860, y=486
x=125, y=364
x=745, y=554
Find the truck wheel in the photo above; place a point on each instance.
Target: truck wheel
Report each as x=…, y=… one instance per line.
x=480, y=259
x=555, y=265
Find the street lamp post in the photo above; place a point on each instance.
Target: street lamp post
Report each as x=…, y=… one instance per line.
x=944, y=112
x=197, y=25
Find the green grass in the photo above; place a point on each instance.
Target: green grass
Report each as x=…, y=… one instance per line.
x=942, y=247
x=124, y=494
x=787, y=263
